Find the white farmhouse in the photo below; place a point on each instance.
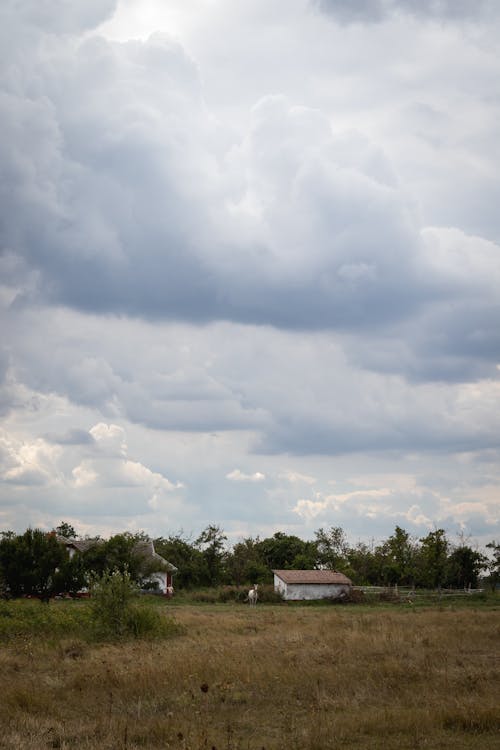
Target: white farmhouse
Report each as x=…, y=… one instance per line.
x=158, y=572
x=296, y=585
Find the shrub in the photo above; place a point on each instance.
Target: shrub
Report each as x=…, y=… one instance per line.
x=268, y=595
x=112, y=595
x=389, y=595
x=117, y=613
x=356, y=596
x=232, y=594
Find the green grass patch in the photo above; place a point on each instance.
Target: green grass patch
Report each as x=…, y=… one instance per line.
x=76, y=619
x=227, y=595
x=32, y=618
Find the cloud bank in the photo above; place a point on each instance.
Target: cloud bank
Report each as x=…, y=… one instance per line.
x=282, y=260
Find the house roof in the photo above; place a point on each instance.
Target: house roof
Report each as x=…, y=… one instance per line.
x=312, y=576
x=144, y=549
x=147, y=551
x=82, y=545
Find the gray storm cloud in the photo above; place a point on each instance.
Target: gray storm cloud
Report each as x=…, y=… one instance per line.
x=129, y=206
x=248, y=256
x=373, y=11
x=118, y=202
x=59, y=16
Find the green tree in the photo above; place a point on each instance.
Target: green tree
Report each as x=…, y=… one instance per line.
x=286, y=551
x=433, y=559
x=29, y=563
x=211, y=542
x=115, y=553
x=364, y=565
x=71, y=576
x=15, y=565
x=398, y=558
x=244, y=564
x=332, y=548
x=493, y=565
x=464, y=566
x=66, y=530
x=187, y=558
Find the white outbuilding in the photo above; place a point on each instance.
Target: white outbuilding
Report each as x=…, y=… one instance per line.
x=296, y=585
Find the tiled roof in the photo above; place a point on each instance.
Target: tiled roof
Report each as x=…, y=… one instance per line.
x=312, y=576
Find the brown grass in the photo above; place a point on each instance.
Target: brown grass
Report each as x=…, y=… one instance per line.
x=273, y=677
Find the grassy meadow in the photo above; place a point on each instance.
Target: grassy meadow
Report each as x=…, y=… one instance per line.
x=277, y=676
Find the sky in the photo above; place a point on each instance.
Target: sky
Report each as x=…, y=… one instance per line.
x=250, y=266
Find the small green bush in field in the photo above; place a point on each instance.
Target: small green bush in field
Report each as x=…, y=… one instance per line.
x=268, y=595
x=231, y=594
x=117, y=612
x=111, y=600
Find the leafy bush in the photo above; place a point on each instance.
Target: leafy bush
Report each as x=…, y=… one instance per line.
x=112, y=595
x=117, y=613
x=389, y=595
x=268, y=595
x=232, y=594
x=356, y=596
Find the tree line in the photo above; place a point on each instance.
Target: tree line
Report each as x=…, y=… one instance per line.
x=36, y=563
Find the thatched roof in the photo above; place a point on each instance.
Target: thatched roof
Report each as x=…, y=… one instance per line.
x=144, y=549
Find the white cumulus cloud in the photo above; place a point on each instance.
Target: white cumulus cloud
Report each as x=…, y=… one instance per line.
x=239, y=476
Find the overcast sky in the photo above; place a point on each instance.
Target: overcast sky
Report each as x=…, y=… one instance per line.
x=250, y=266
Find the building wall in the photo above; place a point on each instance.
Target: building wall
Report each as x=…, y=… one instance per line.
x=309, y=591
x=164, y=580
x=160, y=579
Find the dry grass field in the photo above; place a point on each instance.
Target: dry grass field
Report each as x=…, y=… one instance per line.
x=272, y=677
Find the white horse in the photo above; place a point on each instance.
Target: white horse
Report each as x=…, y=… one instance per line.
x=253, y=595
